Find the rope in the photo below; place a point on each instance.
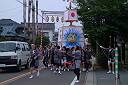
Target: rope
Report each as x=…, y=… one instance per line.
x=102, y=49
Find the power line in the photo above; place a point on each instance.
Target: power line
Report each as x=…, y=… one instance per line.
x=7, y=10
x=31, y=8
x=45, y=12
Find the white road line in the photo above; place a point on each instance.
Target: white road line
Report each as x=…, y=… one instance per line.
x=74, y=80
x=17, y=77
x=85, y=79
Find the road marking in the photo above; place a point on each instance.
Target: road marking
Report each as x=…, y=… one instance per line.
x=17, y=77
x=85, y=79
x=14, y=78
x=74, y=80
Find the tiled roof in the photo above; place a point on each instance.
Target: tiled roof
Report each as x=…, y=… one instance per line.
x=8, y=26
x=7, y=22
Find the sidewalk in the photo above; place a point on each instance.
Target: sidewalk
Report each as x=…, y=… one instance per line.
x=100, y=77
x=91, y=78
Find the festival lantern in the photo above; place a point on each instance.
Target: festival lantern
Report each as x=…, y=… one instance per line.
x=52, y=19
x=57, y=19
x=47, y=18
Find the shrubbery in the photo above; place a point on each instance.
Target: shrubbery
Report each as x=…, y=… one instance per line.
x=102, y=60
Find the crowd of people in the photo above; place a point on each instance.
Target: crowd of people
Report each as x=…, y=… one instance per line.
x=61, y=59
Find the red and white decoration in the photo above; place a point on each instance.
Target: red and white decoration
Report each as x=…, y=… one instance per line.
x=70, y=15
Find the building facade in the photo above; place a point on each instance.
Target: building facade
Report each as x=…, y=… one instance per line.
x=47, y=29
x=15, y=31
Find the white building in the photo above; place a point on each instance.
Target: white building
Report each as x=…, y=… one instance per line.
x=47, y=28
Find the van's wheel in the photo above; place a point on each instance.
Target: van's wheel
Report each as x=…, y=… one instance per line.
x=27, y=65
x=19, y=67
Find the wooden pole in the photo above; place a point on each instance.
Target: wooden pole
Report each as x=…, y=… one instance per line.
x=33, y=21
x=36, y=17
x=24, y=14
x=29, y=13
x=42, y=27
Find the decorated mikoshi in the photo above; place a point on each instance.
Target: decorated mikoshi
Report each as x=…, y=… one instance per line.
x=71, y=35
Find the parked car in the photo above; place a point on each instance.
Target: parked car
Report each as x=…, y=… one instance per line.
x=14, y=54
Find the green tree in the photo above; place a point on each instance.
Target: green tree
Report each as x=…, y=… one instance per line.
x=104, y=18
x=45, y=40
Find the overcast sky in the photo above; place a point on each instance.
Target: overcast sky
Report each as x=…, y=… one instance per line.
x=12, y=9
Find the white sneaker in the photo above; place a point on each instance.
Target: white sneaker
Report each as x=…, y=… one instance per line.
x=31, y=77
x=59, y=72
x=64, y=69
x=113, y=72
x=49, y=65
x=80, y=71
x=54, y=71
x=68, y=70
x=109, y=72
x=38, y=73
x=77, y=81
x=51, y=69
x=84, y=69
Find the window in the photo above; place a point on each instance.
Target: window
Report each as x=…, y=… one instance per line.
x=7, y=47
x=18, y=47
x=24, y=49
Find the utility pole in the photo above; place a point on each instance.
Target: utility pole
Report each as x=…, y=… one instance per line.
x=36, y=17
x=41, y=30
x=24, y=14
x=29, y=28
x=33, y=21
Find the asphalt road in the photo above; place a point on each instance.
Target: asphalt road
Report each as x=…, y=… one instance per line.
x=9, y=74
x=46, y=77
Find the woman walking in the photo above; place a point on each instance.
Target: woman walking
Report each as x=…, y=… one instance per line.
x=77, y=62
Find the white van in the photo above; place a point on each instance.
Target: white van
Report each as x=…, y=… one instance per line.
x=14, y=54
